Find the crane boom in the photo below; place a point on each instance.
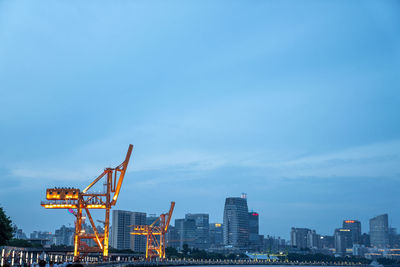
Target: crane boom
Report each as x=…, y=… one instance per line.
x=124, y=165
x=171, y=209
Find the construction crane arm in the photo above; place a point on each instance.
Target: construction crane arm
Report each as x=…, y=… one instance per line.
x=171, y=209
x=122, y=168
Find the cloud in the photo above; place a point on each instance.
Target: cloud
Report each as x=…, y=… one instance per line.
x=373, y=160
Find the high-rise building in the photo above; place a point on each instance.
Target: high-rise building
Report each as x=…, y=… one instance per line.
x=379, y=231
x=172, y=237
x=186, y=231
x=299, y=237
x=65, y=236
x=236, y=222
x=138, y=242
x=314, y=240
x=342, y=240
x=121, y=221
x=121, y=230
x=394, y=238
x=216, y=235
x=355, y=228
x=365, y=240
x=255, y=240
x=202, y=229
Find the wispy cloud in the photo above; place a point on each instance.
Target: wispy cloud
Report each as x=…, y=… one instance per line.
x=373, y=160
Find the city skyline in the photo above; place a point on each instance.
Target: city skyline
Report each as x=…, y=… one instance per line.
x=364, y=226
x=196, y=231
x=295, y=103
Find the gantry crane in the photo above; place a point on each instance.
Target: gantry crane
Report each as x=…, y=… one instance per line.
x=73, y=198
x=155, y=235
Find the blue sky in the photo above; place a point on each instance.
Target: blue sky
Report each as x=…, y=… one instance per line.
x=296, y=103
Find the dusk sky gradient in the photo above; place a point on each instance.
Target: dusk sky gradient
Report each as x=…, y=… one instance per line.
x=296, y=103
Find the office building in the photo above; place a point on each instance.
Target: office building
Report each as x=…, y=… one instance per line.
x=186, y=232
x=121, y=221
x=313, y=240
x=236, y=222
x=216, y=235
x=255, y=240
x=202, y=229
x=394, y=238
x=342, y=238
x=172, y=237
x=121, y=229
x=138, y=242
x=379, y=231
x=365, y=240
x=355, y=228
x=64, y=236
x=299, y=237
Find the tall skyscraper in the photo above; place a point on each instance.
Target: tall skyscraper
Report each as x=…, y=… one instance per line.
x=202, y=229
x=186, y=231
x=355, y=228
x=255, y=240
x=379, y=231
x=236, y=222
x=216, y=235
x=121, y=237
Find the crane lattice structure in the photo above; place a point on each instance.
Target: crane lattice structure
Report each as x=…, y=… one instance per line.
x=73, y=198
x=155, y=235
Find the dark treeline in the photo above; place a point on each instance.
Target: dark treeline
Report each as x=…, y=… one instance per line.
x=199, y=254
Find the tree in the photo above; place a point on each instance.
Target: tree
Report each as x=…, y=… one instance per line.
x=6, y=230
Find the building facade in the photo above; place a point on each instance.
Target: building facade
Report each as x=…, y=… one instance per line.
x=216, y=235
x=255, y=240
x=379, y=231
x=65, y=236
x=236, y=222
x=299, y=237
x=202, y=228
x=355, y=228
x=121, y=237
x=342, y=238
x=186, y=232
x=138, y=242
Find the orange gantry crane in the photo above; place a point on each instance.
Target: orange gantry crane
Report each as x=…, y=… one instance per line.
x=155, y=235
x=73, y=198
